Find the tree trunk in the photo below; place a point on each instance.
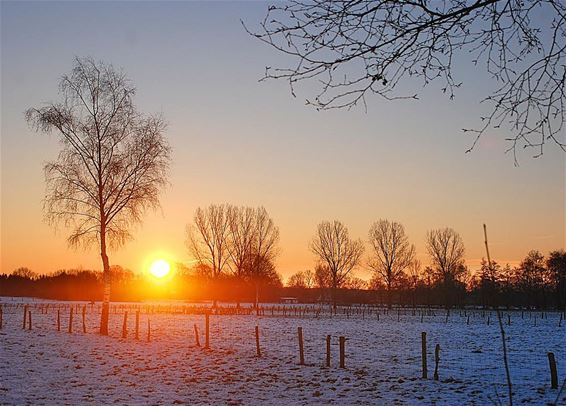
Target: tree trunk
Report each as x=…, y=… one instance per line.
x=389, y=298
x=256, y=303
x=446, y=294
x=106, y=280
x=334, y=289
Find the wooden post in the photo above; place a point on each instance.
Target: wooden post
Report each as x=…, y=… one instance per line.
x=71, y=320
x=29, y=319
x=137, y=324
x=207, y=331
x=0, y=317
x=125, y=326
x=423, y=354
x=197, y=340
x=502, y=331
x=84, y=319
x=148, y=330
x=436, y=360
x=25, y=317
x=342, y=341
x=301, y=348
x=553, y=373
x=58, y=320
x=257, y=341
x=328, y=351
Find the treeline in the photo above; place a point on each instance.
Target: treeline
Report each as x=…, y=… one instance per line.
x=537, y=282
x=183, y=284
x=236, y=247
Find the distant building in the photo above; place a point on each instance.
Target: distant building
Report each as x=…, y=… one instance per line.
x=289, y=300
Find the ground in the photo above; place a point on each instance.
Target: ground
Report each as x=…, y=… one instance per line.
x=383, y=359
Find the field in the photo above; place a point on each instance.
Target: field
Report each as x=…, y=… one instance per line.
x=382, y=357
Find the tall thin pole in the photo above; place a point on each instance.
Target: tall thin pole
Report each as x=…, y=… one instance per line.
x=508, y=375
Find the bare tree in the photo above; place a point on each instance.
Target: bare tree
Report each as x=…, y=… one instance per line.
x=237, y=238
x=309, y=278
x=241, y=237
x=355, y=48
x=334, y=248
x=264, y=248
x=414, y=274
x=24, y=273
x=112, y=165
x=297, y=280
x=446, y=250
x=208, y=238
x=302, y=279
x=355, y=283
x=391, y=253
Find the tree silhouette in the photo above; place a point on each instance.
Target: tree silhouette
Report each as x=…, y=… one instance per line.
x=532, y=276
x=340, y=254
x=391, y=253
x=556, y=264
x=208, y=239
x=241, y=239
x=446, y=250
x=264, y=249
x=302, y=279
x=355, y=48
x=112, y=165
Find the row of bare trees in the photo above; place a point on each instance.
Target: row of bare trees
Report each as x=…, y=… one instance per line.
x=538, y=281
x=391, y=259
x=236, y=240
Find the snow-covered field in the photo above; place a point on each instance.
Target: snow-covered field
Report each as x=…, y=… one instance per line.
x=383, y=360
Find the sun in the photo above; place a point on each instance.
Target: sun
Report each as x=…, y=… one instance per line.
x=160, y=268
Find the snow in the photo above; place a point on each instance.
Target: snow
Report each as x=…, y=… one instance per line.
x=383, y=360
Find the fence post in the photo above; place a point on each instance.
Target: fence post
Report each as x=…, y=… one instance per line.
x=58, y=320
x=301, y=348
x=423, y=354
x=436, y=360
x=553, y=373
x=25, y=317
x=0, y=317
x=137, y=324
x=342, y=341
x=196, y=336
x=71, y=320
x=328, y=351
x=148, y=330
x=125, y=326
x=84, y=319
x=207, y=331
x=257, y=341
x=29, y=319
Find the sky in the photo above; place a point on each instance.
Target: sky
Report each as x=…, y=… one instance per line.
x=239, y=141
